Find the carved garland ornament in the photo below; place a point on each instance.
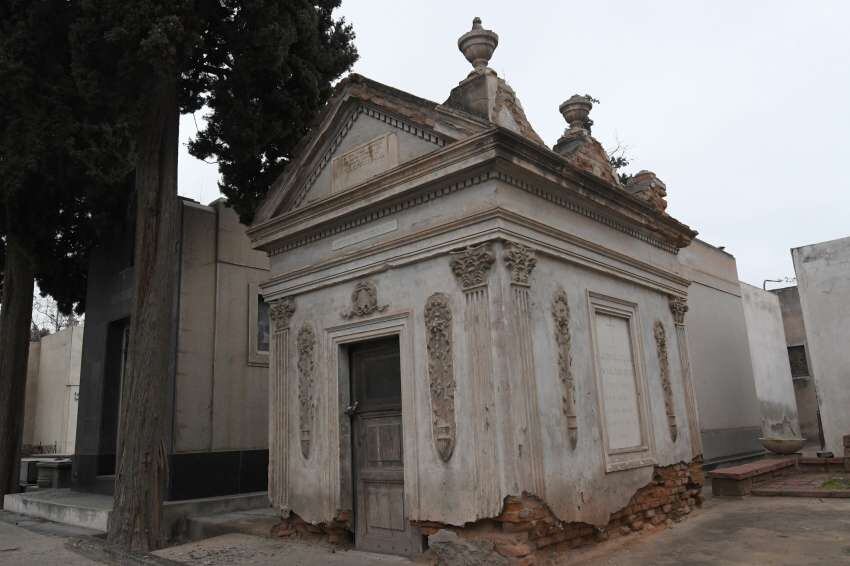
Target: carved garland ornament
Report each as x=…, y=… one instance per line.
x=472, y=265
x=561, y=314
x=521, y=262
x=364, y=301
x=664, y=364
x=438, y=321
x=306, y=385
x=280, y=312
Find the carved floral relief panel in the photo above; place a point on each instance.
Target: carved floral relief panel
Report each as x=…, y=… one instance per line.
x=664, y=365
x=306, y=385
x=561, y=315
x=438, y=322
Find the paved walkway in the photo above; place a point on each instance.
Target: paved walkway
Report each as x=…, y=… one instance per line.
x=754, y=531
x=24, y=540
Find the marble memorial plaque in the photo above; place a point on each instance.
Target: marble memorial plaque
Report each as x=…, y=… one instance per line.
x=619, y=385
x=364, y=162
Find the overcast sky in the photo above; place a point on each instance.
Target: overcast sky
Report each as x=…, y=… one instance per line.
x=741, y=108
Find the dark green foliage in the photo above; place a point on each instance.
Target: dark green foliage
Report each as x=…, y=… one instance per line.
x=264, y=72
x=262, y=68
x=48, y=201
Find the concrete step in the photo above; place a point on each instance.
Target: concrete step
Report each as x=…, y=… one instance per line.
x=87, y=510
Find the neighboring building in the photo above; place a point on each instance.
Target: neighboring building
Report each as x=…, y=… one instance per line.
x=53, y=381
x=729, y=414
x=823, y=282
x=798, y=357
x=219, y=440
x=464, y=317
x=771, y=369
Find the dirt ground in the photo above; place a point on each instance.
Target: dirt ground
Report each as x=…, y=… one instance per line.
x=755, y=531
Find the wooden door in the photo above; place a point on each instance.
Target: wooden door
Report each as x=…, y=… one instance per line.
x=380, y=518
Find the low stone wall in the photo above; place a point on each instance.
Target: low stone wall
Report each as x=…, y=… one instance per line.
x=526, y=529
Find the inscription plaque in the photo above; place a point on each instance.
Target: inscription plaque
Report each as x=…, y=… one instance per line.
x=619, y=382
x=364, y=162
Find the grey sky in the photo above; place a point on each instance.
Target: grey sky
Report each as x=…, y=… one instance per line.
x=742, y=108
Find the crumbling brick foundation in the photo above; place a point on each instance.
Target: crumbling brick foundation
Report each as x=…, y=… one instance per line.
x=526, y=530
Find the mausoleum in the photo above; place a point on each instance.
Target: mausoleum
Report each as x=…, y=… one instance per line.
x=473, y=333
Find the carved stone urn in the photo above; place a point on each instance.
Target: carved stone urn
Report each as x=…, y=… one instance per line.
x=478, y=45
x=575, y=111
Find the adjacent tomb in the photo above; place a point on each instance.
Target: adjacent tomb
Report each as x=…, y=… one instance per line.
x=467, y=324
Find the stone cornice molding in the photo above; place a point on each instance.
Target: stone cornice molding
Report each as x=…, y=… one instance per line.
x=566, y=247
x=492, y=154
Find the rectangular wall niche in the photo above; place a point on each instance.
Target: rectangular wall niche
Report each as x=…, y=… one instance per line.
x=620, y=378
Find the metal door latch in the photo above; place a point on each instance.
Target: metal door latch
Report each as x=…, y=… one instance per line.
x=351, y=409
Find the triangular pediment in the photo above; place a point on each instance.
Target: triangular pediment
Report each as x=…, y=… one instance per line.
x=367, y=129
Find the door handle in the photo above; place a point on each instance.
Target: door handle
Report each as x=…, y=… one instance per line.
x=351, y=409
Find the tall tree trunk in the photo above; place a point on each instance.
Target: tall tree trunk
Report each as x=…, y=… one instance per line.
x=15, y=320
x=141, y=475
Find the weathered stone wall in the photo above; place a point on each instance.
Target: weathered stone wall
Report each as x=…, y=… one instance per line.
x=526, y=531
x=53, y=381
x=801, y=370
x=771, y=369
x=720, y=355
x=823, y=279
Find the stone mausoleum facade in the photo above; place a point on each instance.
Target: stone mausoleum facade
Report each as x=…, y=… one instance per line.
x=468, y=325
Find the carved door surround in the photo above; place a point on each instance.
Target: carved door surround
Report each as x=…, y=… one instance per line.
x=337, y=470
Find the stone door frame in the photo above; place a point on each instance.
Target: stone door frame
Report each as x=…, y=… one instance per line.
x=339, y=470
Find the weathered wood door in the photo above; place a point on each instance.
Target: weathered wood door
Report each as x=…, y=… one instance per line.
x=380, y=518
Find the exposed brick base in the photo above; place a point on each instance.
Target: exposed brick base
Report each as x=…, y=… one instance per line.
x=527, y=530
x=338, y=532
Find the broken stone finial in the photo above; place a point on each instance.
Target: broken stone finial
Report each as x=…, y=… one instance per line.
x=648, y=187
x=478, y=45
x=576, y=111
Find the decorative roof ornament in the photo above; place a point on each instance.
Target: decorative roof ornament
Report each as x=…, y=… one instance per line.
x=478, y=45
x=576, y=111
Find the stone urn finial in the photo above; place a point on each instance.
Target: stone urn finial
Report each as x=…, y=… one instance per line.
x=478, y=45
x=576, y=110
